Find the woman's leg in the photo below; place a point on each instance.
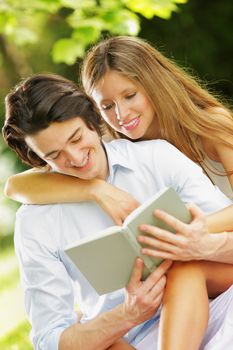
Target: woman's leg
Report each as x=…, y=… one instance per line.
x=184, y=316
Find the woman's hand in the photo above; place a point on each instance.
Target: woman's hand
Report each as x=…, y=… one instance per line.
x=115, y=202
x=191, y=241
x=144, y=298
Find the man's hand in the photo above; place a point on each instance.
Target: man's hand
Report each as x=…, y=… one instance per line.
x=143, y=298
x=191, y=241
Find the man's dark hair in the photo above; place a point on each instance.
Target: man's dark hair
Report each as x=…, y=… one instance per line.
x=39, y=101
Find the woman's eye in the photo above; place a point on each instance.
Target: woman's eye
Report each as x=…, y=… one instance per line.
x=128, y=97
x=107, y=107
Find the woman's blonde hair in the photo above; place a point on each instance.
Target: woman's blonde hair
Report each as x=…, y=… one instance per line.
x=185, y=111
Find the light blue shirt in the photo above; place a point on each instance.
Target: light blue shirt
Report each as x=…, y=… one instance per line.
x=52, y=285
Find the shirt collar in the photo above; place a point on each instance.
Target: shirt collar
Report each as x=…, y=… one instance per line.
x=117, y=155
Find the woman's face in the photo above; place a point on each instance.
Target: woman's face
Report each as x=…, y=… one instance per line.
x=125, y=107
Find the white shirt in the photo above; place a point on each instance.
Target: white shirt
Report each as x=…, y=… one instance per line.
x=42, y=231
x=216, y=172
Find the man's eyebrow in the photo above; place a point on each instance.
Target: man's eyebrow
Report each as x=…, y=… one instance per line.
x=74, y=133
x=69, y=138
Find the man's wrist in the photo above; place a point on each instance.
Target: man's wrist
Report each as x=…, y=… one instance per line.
x=125, y=317
x=214, y=246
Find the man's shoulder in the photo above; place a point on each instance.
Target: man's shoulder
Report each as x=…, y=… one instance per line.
x=41, y=224
x=31, y=220
x=36, y=211
x=46, y=217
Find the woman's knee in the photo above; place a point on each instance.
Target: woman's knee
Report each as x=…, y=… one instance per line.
x=189, y=268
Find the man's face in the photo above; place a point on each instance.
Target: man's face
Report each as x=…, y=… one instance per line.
x=71, y=148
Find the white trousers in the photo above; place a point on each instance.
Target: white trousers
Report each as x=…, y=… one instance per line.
x=219, y=334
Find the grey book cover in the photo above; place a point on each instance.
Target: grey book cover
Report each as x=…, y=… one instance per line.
x=106, y=259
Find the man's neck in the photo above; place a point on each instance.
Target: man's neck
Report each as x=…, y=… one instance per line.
x=105, y=173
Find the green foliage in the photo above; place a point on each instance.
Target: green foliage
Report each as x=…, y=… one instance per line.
x=14, y=329
x=151, y=8
x=17, y=339
x=87, y=20
x=36, y=33
x=67, y=50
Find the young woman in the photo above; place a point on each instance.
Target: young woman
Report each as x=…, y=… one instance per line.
x=143, y=95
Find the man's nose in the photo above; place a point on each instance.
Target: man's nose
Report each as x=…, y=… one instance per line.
x=74, y=157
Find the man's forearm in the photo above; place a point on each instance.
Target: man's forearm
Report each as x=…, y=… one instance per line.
x=97, y=334
x=142, y=300
x=220, y=247
x=220, y=244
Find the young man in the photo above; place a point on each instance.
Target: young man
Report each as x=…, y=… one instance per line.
x=49, y=121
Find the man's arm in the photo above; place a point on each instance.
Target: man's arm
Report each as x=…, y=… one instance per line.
x=49, y=294
x=141, y=302
x=196, y=240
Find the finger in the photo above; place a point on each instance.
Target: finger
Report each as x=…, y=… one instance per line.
x=195, y=211
x=119, y=221
x=162, y=245
x=158, y=300
x=156, y=275
x=163, y=235
x=156, y=293
x=136, y=276
x=170, y=220
x=163, y=254
x=159, y=286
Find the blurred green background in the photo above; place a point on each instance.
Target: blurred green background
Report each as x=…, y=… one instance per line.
x=52, y=36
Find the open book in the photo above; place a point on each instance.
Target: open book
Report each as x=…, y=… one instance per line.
x=106, y=258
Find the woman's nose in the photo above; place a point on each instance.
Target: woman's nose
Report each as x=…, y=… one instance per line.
x=121, y=112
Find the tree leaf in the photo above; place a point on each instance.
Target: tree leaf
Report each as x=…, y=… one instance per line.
x=86, y=34
x=151, y=8
x=67, y=51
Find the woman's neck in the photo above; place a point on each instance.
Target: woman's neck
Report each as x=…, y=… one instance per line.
x=153, y=131
x=209, y=149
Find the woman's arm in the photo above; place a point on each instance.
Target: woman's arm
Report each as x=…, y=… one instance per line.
x=43, y=187
x=221, y=220
x=38, y=186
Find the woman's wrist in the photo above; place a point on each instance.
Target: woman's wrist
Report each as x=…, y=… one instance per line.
x=96, y=190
